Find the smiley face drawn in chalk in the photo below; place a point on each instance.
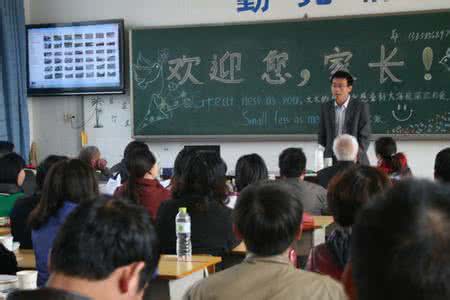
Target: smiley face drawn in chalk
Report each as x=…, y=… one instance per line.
x=402, y=114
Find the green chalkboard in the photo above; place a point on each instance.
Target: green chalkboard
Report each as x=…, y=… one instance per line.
x=270, y=79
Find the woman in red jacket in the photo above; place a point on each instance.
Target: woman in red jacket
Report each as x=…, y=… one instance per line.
x=142, y=186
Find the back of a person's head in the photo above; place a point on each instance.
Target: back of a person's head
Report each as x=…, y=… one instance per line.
x=250, y=169
x=44, y=167
x=386, y=150
x=100, y=236
x=351, y=189
x=292, y=162
x=385, y=147
x=345, y=148
x=138, y=162
x=11, y=165
x=401, y=244
x=134, y=145
x=68, y=180
x=203, y=177
x=181, y=160
x=88, y=154
x=442, y=165
x=6, y=147
x=268, y=216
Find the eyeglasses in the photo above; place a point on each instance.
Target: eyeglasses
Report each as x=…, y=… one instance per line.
x=339, y=86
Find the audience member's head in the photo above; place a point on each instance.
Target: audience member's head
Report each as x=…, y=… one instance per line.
x=388, y=159
x=107, y=249
x=442, y=166
x=250, y=169
x=133, y=146
x=44, y=167
x=180, y=161
x=292, y=163
x=6, y=147
x=203, y=179
x=345, y=148
x=351, y=189
x=401, y=244
x=68, y=180
x=11, y=169
x=91, y=156
x=268, y=216
x=140, y=163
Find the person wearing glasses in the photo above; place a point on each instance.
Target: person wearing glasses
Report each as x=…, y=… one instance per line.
x=344, y=115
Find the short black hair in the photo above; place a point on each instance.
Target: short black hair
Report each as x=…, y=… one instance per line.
x=44, y=167
x=10, y=166
x=350, y=190
x=385, y=147
x=250, y=169
x=203, y=179
x=292, y=162
x=268, y=216
x=401, y=244
x=101, y=236
x=442, y=165
x=343, y=75
x=6, y=147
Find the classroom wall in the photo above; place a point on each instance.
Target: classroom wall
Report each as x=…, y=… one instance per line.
x=55, y=135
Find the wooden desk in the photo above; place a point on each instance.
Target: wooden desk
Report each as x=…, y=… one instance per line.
x=174, y=277
x=309, y=238
x=323, y=221
x=5, y=230
x=25, y=259
x=169, y=268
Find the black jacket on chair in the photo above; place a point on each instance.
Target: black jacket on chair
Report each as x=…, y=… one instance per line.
x=356, y=123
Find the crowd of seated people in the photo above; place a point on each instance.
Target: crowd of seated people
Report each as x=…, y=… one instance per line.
x=390, y=239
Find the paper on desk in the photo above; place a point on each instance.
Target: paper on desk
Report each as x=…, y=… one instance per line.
x=110, y=186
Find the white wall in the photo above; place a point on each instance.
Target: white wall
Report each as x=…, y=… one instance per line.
x=53, y=135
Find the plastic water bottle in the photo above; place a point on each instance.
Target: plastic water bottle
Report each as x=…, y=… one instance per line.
x=319, y=160
x=183, y=230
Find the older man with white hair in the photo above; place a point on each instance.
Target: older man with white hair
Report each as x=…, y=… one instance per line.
x=345, y=148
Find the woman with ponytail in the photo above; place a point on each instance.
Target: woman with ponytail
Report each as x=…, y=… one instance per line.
x=391, y=162
x=142, y=186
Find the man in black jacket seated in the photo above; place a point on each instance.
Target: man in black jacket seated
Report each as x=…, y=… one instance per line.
x=345, y=148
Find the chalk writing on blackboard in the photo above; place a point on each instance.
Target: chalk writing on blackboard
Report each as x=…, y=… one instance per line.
x=385, y=64
x=224, y=69
x=402, y=113
x=275, y=63
x=445, y=60
x=338, y=61
x=166, y=96
x=440, y=123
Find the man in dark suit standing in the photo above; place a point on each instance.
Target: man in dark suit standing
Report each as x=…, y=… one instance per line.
x=344, y=115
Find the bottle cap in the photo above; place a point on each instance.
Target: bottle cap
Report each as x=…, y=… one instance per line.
x=182, y=209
